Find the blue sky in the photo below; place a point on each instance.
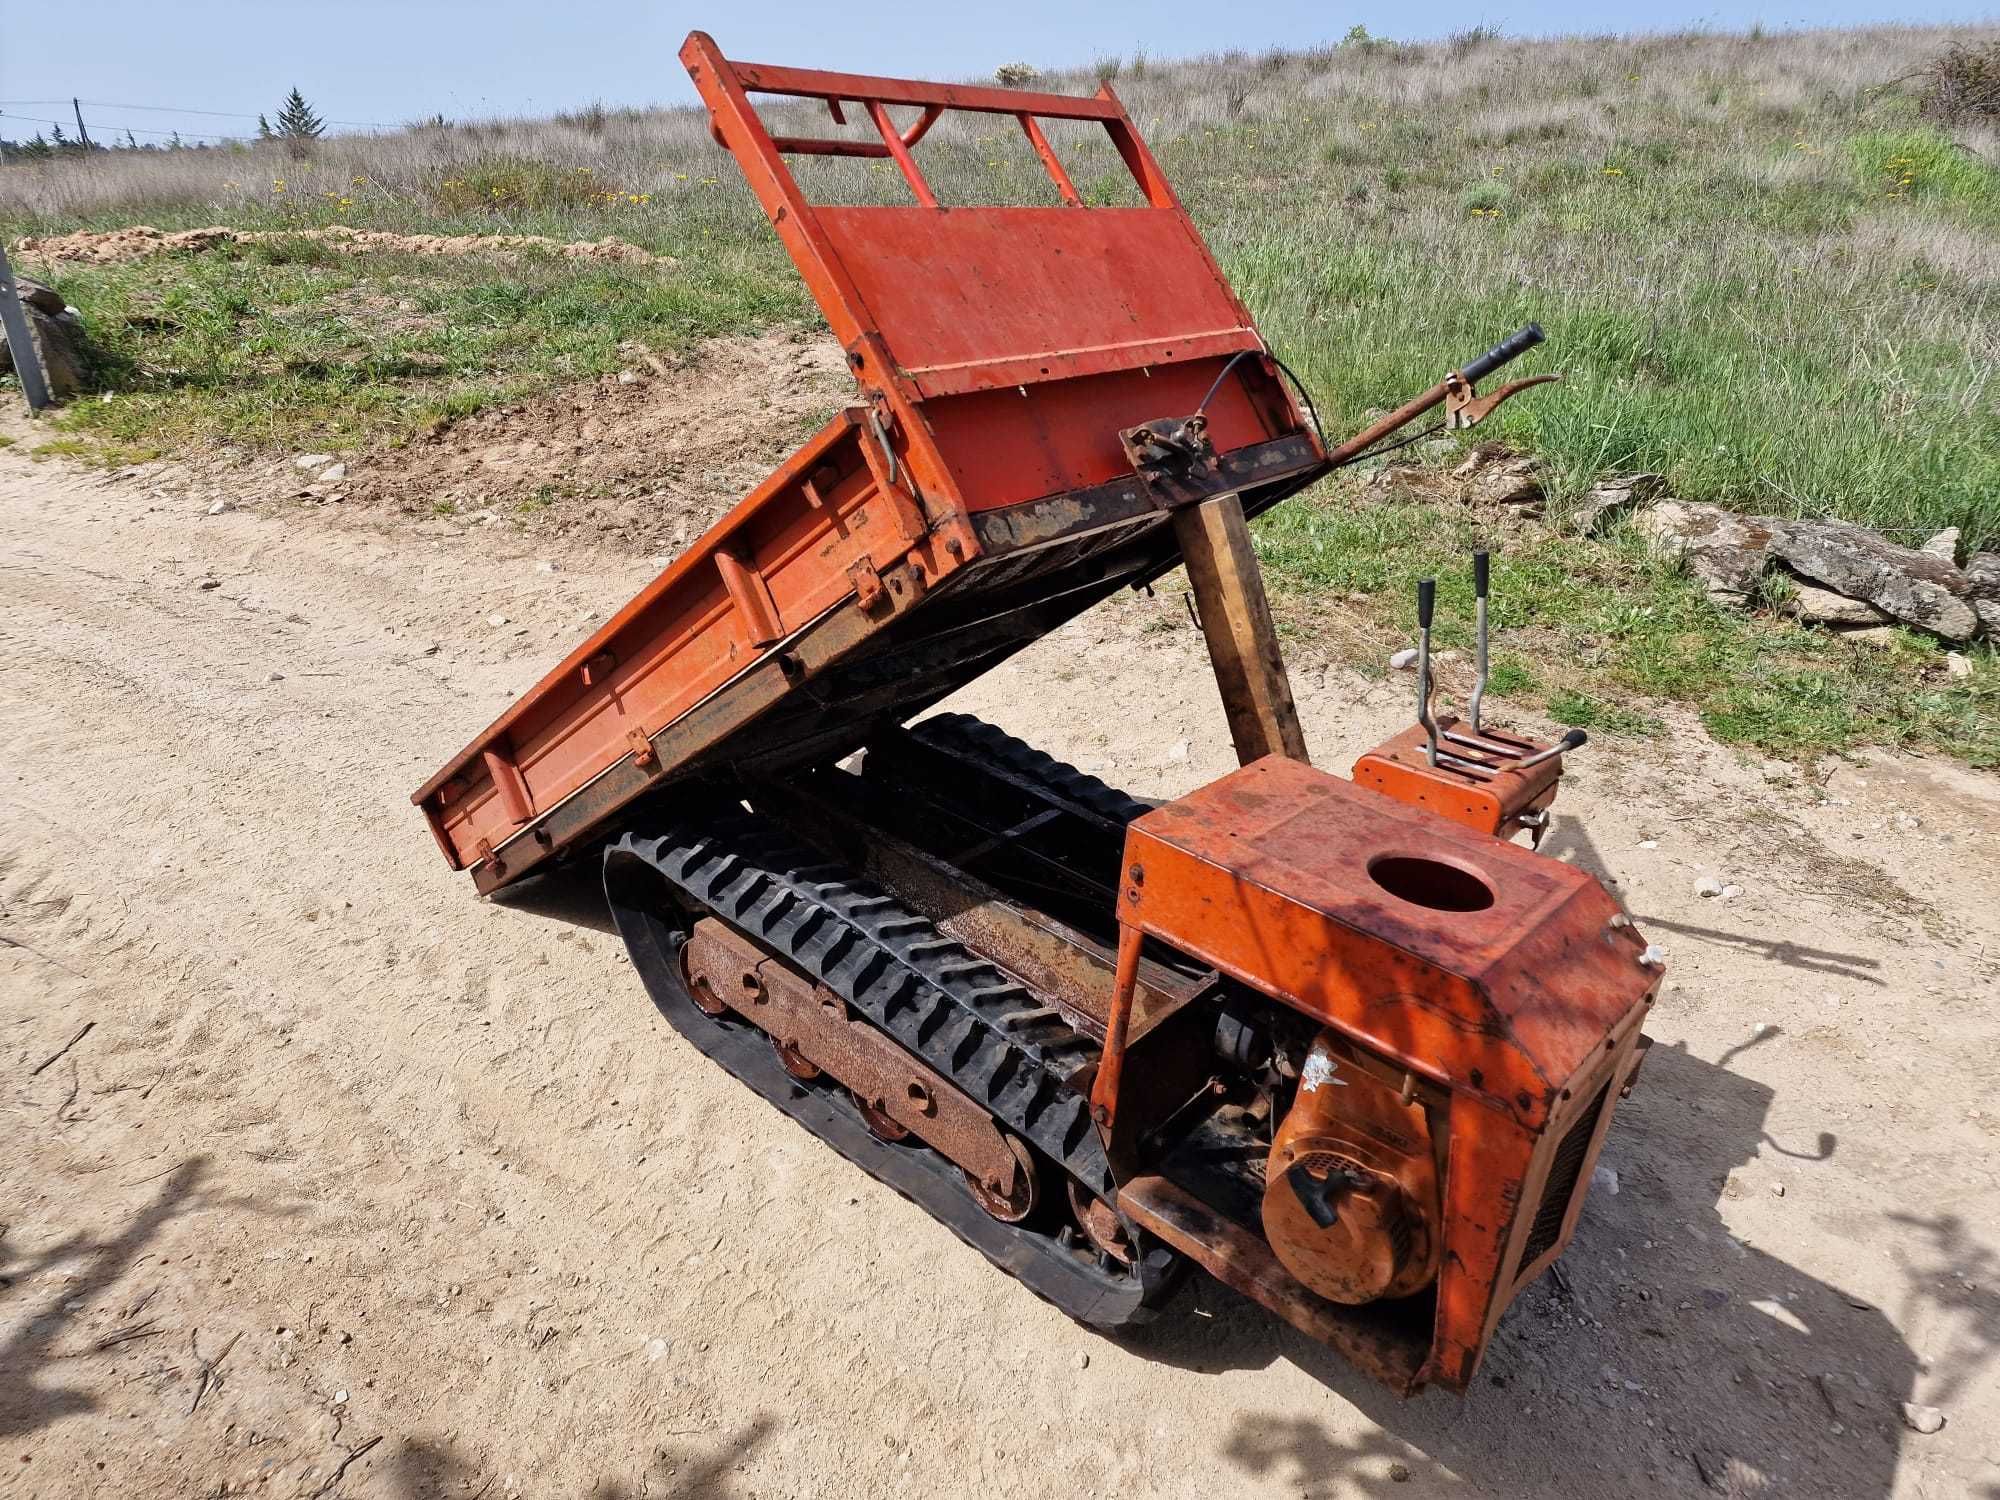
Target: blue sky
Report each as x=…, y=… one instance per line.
x=385, y=62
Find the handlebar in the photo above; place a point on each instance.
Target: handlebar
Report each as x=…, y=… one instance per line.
x=1507, y=350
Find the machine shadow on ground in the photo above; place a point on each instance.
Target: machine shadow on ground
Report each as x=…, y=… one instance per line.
x=44, y=1379
x=425, y=1468
x=1606, y=1372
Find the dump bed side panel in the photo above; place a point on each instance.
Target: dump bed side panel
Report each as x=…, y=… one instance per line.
x=781, y=559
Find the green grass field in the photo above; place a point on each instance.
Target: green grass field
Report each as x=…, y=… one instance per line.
x=1762, y=273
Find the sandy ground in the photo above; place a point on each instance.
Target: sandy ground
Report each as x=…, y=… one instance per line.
x=359, y=1186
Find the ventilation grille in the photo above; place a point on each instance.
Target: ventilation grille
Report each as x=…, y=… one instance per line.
x=1564, y=1170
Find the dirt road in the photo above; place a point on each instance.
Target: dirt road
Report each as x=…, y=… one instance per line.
x=358, y=1186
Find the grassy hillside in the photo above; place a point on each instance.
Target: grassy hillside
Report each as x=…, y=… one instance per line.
x=1763, y=273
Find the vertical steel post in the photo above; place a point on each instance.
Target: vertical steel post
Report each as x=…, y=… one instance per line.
x=20, y=340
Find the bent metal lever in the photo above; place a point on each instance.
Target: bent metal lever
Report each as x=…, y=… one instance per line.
x=1455, y=388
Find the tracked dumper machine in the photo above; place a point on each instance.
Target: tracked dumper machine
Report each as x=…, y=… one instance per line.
x=1347, y=1044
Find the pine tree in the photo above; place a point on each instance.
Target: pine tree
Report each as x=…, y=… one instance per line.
x=263, y=129
x=296, y=121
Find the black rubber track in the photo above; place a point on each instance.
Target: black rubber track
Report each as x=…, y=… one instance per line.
x=940, y=1001
x=981, y=740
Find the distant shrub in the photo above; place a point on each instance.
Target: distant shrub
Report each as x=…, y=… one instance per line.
x=1015, y=75
x=507, y=184
x=1963, y=83
x=1490, y=199
x=1344, y=151
x=1469, y=40
x=1921, y=163
x=592, y=117
x=1106, y=68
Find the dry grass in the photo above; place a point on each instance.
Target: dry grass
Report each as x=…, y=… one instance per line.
x=1765, y=274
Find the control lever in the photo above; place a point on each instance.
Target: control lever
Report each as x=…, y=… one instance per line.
x=1479, y=580
x=1575, y=739
x=1426, y=603
x=1506, y=756
x=1426, y=607
x=1475, y=740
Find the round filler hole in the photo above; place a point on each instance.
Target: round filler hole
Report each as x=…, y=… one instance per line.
x=1430, y=883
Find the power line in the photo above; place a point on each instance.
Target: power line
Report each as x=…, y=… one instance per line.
x=170, y=109
x=132, y=129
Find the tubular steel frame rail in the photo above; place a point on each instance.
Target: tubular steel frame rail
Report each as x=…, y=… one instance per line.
x=974, y=498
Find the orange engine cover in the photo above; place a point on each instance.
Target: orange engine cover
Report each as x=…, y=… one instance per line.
x=1351, y=1205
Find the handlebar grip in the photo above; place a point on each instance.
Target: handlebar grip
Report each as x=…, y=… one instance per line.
x=1426, y=601
x=1576, y=739
x=1510, y=348
x=1479, y=574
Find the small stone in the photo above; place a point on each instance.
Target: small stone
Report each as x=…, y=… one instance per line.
x=333, y=475
x=1919, y=1418
x=626, y=377
x=1777, y=1190
x=1943, y=546
x=1708, y=887
x=1083, y=1361
x=209, y=583
x=546, y=566
x=313, y=460
x=1957, y=664
x=219, y=507
x=496, y=621
x=340, y=1398
x=1818, y=606
x=1399, y=1473
x=1649, y=843
x=276, y=677
x=1403, y=660
x=1776, y=771
x=1606, y=1180
x=346, y=1337
x=1731, y=892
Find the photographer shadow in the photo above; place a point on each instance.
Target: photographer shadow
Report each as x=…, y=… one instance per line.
x=1664, y=1355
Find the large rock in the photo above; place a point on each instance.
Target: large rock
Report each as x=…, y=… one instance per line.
x=1982, y=577
x=34, y=294
x=1491, y=475
x=1728, y=552
x=1915, y=587
x=59, y=343
x=1612, y=498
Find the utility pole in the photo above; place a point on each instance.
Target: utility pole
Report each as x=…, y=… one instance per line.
x=82, y=134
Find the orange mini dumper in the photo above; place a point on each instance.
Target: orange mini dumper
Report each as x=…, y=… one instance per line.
x=1344, y=1044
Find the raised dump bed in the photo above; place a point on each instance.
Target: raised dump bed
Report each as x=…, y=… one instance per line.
x=987, y=485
